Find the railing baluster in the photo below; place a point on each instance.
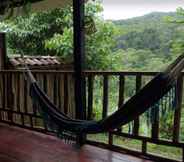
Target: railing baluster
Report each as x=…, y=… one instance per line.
x=136, y=121
x=65, y=94
x=50, y=86
x=110, y=138
x=84, y=100
x=10, y=97
x=60, y=92
x=42, y=78
x=121, y=90
x=105, y=96
x=25, y=96
x=177, y=114
x=90, y=97
x=144, y=146
x=3, y=91
x=121, y=93
x=15, y=96
x=1, y=96
x=21, y=82
x=155, y=125
x=18, y=92
x=55, y=89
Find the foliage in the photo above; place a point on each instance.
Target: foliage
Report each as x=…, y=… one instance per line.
x=61, y=45
x=99, y=42
x=137, y=60
x=178, y=42
x=98, y=45
x=149, y=32
x=28, y=34
x=51, y=33
x=146, y=39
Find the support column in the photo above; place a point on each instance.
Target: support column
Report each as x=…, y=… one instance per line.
x=78, y=17
x=79, y=53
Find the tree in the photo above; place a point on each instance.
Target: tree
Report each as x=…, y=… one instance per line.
x=27, y=34
x=51, y=33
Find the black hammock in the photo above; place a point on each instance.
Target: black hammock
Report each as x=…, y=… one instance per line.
x=148, y=98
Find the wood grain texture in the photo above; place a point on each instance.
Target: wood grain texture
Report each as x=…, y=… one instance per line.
x=20, y=145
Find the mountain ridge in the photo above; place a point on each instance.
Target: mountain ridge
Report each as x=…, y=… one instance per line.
x=151, y=15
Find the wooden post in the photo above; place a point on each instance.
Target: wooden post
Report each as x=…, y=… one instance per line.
x=78, y=18
x=2, y=51
x=177, y=114
x=121, y=94
x=90, y=97
x=105, y=97
x=144, y=147
x=136, y=121
x=2, y=65
x=8, y=78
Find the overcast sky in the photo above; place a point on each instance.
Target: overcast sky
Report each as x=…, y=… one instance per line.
x=123, y=9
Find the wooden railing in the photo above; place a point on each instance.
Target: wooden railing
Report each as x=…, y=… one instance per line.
x=105, y=92
x=16, y=105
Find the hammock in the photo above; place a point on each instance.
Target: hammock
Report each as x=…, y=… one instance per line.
x=148, y=98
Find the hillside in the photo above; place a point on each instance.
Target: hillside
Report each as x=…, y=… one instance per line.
x=154, y=18
x=149, y=32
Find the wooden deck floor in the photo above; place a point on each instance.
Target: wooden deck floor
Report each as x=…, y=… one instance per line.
x=20, y=145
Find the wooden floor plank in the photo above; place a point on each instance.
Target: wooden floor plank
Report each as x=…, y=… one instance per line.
x=20, y=145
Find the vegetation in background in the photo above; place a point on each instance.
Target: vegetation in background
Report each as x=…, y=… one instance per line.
x=178, y=41
x=27, y=34
x=151, y=34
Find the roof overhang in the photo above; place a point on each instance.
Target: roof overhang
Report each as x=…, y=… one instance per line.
x=37, y=5
x=50, y=4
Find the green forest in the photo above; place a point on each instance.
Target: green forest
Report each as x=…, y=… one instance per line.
x=150, y=42
x=146, y=43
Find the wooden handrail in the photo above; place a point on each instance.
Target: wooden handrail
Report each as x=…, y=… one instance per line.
x=86, y=73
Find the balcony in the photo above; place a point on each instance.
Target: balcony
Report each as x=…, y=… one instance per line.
x=157, y=141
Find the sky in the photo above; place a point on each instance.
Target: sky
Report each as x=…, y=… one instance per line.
x=123, y=9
